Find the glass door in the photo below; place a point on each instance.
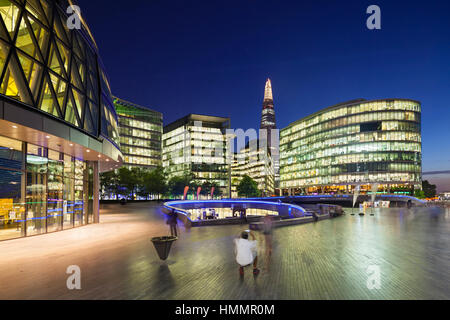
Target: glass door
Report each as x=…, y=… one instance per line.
x=11, y=193
x=79, y=194
x=55, y=199
x=36, y=190
x=69, y=193
x=36, y=201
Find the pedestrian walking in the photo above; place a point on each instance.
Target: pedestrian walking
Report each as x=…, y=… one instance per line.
x=172, y=221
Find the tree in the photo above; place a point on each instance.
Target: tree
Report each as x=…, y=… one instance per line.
x=155, y=182
x=419, y=194
x=428, y=189
x=193, y=186
x=130, y=181
x=217, y=190
x=248, y=188
x=109, y=183
x=177, y=183
x=207, y=188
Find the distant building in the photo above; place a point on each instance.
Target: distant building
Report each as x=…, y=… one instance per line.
x=197, y=144
x=140, y=134
x=354, y=143
x=268, y=123
x=256, y=162
x=444, y=195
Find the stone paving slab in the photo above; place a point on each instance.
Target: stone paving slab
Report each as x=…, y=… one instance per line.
x=323, y=260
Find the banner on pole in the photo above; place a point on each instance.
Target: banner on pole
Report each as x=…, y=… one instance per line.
x=198, y=192
x=212, y=192
x=186, y=189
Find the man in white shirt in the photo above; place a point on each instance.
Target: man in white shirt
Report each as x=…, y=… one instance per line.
x=246, y=252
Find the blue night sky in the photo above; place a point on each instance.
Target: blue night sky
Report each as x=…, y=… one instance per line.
x=213, y=57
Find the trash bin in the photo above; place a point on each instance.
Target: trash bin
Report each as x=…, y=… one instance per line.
x=163, y=245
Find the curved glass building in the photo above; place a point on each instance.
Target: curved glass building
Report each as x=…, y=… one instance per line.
x=58, y=126
x=358, y=142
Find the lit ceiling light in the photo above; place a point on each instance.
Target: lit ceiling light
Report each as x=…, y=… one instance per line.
x=48, y=137
x=107, y=160
x=71, y=144
x=15, y=127
x=99, y=156
x=87, y=150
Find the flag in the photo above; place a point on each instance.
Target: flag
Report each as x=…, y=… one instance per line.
x=212, y=192
x=186, y=189
x=198, y=192
x=356, y=194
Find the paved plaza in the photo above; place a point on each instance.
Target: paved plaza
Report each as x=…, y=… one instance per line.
x=324, y=260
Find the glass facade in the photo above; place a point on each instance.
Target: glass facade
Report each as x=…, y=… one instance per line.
x=56, y=76
x=256, y=162
x=140, y=134
x=54, y=69
x=359, y=142
x=42, y=190
x=198, y=144
x=268, y=123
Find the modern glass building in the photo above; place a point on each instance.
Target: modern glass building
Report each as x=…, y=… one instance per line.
x=140, y=131
x=268, y=123
x=198, y=145
x=256, y=162
x=58, y=126
x=358, y=142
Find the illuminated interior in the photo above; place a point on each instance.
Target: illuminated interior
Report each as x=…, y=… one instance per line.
x=140, y=134
x=196, y=211
x=52, y=68
x=198, y=144
x=223, y=213
x=256, y=162
x=54, y=77
x=42, y=190
x=359, y=142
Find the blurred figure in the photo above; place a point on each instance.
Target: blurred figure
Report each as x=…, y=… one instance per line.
x=267, y=231
x=243, y=213
x=362, y=209
x=246, y=252
x=172, y=221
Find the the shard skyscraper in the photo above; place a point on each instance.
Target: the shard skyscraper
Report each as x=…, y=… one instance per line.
x=268, y=123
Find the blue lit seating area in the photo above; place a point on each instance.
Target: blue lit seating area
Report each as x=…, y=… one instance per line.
x=225, y=212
